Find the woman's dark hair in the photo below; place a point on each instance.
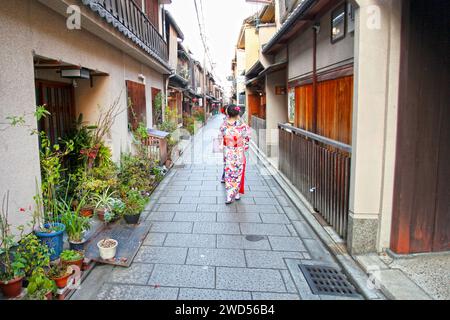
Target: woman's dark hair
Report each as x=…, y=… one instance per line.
x=233, y=110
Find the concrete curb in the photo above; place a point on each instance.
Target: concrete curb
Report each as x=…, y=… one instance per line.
x=344, y=259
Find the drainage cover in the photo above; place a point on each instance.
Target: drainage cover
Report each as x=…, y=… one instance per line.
x=253, y=238
x=325, y=280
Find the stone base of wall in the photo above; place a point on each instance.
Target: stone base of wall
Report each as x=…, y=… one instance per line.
x=362, y=235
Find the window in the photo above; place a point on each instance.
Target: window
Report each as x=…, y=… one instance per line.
x=338, y=23
x=137, y=111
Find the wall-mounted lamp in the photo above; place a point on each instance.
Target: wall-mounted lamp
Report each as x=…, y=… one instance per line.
x=76, y=73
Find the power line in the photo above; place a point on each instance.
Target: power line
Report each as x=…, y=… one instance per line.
x=203, y=35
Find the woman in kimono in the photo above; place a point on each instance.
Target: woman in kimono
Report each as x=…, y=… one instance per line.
x=236, y=136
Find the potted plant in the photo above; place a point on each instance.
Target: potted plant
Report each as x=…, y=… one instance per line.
x=34, y=253
x=60, y=274
x=103, y=205
x=12, y=264
x=49, y=229
x=107, y=248
x=46, y=224
x=72, y=257
x=40, y=287
x=134, y=205
x=76, y=225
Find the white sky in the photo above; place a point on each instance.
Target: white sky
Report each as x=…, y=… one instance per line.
x=223, y=20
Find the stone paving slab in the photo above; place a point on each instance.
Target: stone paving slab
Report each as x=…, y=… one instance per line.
x=155, y=239
x=286, y=244
x=249, y=279
x=190, y=240
x=238, y=217
x=264, y=229
x=216, y=257
x=167, y=255
x=216, y=228
x=269, y=259
x=182, y=276
x=208, y=294
x=202, y=199
x=274, y=218
x=240, y=242
x=195, y=216
x=274, y=296
x=161, y=216
x=111, y=291
x=175, y=227
x=138, y=273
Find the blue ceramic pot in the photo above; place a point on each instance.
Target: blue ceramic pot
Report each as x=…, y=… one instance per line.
x=53, y=240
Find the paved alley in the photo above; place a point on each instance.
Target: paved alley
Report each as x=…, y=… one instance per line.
x=200, y=248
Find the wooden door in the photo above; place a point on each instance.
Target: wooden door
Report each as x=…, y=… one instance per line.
x=59, y=100
x=421, y=204
x=137, y=106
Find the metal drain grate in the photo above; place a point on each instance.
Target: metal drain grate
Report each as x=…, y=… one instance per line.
x=325, y=280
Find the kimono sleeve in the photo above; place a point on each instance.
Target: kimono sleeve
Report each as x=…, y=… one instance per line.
x=246, y=137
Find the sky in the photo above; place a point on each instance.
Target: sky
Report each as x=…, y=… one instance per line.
x=222, y=22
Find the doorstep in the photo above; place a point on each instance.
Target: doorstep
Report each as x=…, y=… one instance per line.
x=394, y=283
x=327, y=235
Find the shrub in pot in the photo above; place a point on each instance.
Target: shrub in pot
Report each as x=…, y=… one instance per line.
x=11, y=263
x=103, y=205
x=72, y=257
x=34, y=253
x=107, y=248
x=40, y=287
x=134, y=205
x=60, y=274
x=76, y=226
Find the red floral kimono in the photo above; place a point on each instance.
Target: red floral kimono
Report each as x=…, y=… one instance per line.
x=236, y=141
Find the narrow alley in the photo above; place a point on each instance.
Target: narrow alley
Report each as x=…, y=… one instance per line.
x=199, y=248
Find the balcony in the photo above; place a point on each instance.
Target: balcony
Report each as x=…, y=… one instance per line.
x=126, y=16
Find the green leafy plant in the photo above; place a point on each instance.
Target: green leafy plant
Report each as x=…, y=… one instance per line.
x=104, y=200
x=34, y=253
x=40, y=285
x=134, y=203
x=75, y=224
x=71, y=255
x=58, y=271
x=135, y=173
x=12, y=263
x=117, y=207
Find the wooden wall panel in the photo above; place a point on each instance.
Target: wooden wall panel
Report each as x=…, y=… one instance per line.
x=334, y=108
x=421, y=207
x=304, y=107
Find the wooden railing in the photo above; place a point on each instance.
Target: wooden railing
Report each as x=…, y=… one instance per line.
x=320, y=169
x=131, y=17
x=259, y=132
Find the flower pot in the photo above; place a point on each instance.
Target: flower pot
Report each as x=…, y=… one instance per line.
x=100, y=214
x=110, y=252
x=12, y=288
x=78, y=263
x=87, y=212
x=61, y=282
x=132, y=219
x=53, y=240
x=77, y=246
